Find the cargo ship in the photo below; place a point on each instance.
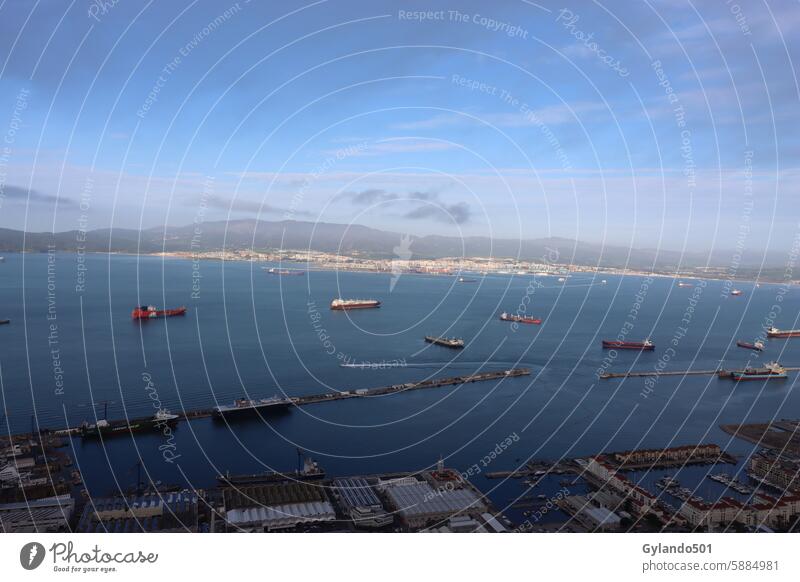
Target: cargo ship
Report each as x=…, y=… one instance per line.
x=775, y=332
x=150, y=312
x=770, y=371
x=448, y=342
x=106, y=428
x=645, y=345
x=736, y=292
x=274, y=271
x=345, y=304
x=242, y=405
x=311, y=471
x=519, y=318
x=757, y=346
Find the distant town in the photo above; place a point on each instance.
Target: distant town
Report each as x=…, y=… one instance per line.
x=364, y=262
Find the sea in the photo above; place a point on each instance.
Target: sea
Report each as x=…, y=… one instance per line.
x=72, y=353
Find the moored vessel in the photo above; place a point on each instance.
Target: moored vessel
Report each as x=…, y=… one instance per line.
x=311, y=471
x=345, y=304
x=448, y=342
x=519, y=318
x=106, y=428
x=770, y=371
x=241, y=405
x=150, y=312
x=780, y=333
x=645, y=345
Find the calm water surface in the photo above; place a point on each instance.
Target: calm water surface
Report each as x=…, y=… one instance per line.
x=251, y=334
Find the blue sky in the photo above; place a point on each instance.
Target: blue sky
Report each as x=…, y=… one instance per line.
x=657, y=124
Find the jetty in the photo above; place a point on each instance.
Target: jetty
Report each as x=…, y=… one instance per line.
x=645, y=373
x=344, y=395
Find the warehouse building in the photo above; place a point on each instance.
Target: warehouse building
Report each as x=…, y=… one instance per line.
x=419, y=505
x=360, y=503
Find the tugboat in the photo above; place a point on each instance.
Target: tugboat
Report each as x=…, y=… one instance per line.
x=448, y=342
x=645, y=345
x=519, y=318
x=757, y=346
x=150, y=312
x=782, y=333
x=345, y=304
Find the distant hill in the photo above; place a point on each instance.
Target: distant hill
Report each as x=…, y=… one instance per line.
x=347, y=239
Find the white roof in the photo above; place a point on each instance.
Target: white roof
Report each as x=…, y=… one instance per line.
x=282, y=515
x=420, y=499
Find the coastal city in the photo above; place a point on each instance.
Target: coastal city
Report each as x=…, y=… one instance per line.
x=550, y=264
x=332, y=273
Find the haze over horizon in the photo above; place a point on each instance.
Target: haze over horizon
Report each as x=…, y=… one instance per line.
x=667, y=125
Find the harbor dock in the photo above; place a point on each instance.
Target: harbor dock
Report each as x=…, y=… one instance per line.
x=347, y=394
x=645, y=373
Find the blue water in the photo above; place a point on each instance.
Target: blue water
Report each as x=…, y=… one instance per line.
x=252, y=334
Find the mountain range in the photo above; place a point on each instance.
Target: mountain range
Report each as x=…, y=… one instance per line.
x=369, y=242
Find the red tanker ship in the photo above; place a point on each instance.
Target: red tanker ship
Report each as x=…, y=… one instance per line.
x=646, y=345
x=150, y=312
x=775, y=332
x=519, y=318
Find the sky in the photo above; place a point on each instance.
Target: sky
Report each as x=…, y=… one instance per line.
x=656, y=124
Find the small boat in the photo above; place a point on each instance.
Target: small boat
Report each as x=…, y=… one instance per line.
x=603, y=282
x=150, y=312
x=736, y=292
x=782, y=333
x=466, y=280
x=645, y=345
x=685, y=284
x=519, y=318
x=5, y=321
x=447, y=342
x=274, y=271
x=562, y=279
x=757, y=346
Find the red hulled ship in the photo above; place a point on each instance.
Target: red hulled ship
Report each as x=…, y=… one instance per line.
x=150, y=312
x=646, y=345
x=775, y=332
x=519, y=318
